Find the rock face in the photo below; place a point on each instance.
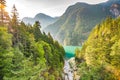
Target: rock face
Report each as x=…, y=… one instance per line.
x=74, y=68
x=44, y=19
x=70, y=70
x=74, y=26
x=68, y=73
x=115, y=9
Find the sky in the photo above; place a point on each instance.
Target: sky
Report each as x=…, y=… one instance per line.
x=29, y=8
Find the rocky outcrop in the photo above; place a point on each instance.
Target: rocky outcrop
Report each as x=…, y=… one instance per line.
x=115, y=9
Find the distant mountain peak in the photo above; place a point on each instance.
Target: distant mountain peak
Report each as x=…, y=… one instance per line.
x=113, y=1
x=81, y=3
x=74, y=25
x=41, y=15
x=44, y=19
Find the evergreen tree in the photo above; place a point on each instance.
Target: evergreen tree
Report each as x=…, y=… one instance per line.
x=101, y=52
x=6, y=53
x=15, y=17
x=50, y=40
x=14, y=26
x=4, y=18
x=36, y=31
x=26, y=53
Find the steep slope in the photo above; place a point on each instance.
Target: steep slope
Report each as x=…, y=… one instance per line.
x=99, y=58
x=110, y=2
x=74, y=25
x=45, y=20
x=28, y=54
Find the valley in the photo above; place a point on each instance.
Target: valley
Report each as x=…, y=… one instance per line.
x=74, y=28
x=81, y=44
x=75, y=25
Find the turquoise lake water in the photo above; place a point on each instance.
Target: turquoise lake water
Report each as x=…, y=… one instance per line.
x=70, y=51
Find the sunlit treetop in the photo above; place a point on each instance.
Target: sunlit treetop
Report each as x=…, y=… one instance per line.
x=2, y=3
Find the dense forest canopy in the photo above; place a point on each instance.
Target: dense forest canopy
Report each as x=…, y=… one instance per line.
x=25, y=52
x=99, y=58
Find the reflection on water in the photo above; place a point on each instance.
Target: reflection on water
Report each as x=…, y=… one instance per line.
x=70, y=51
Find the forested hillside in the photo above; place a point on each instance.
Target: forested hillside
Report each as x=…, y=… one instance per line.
x=99, y=58
x=25, y=52
x=74, y=26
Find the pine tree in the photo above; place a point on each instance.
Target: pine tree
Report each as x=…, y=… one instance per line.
x=50, y=40
x=6, y=53
x=14, y=16
x=14, y=26
x=4, y=17
x=36, y=31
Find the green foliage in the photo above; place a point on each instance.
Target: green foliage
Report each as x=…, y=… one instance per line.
x=101, y=52
x=28, y=54
x=74, y=26
x=6, y=53
x=14, y=20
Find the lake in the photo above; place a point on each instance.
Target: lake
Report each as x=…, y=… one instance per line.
x=70, y=51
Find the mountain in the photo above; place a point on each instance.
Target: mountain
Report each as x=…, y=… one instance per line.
x=44, y=19
x=99, y=58
x=110, y=2
x=74, y=26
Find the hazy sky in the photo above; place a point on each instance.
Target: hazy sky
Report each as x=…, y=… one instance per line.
x=29, y=8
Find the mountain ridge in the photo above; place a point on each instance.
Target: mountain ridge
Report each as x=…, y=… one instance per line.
x=44, y=19
x=74, y=26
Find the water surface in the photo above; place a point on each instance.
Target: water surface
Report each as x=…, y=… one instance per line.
x=70, y=51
